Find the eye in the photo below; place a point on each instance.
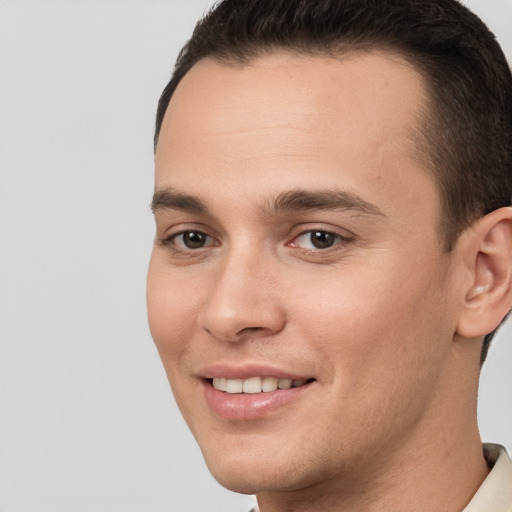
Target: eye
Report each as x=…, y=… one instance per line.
x=316, y=239
x=190, y=240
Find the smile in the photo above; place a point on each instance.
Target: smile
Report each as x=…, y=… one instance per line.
x=254, y=385
x=253, y=397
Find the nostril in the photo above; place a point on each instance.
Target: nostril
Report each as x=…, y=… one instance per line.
x=251, y=329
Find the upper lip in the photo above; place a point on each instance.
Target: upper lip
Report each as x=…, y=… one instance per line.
x=246, y=371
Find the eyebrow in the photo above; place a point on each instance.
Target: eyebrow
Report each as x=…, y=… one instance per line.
x=306, y=200
x=168, y=199
x=287, y=202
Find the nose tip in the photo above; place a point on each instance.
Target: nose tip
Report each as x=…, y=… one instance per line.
x=242, y=305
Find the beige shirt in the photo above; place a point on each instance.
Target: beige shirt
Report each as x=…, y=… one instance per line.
x=495, y=494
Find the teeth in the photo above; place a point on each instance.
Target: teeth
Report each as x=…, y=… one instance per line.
x=234, y=385
x=284, y=384
x=220, y=383
x=269, y=384
x=255, y=384
x=252, y=385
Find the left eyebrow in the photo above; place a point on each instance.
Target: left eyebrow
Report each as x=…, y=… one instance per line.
x=307, y=200
x=169, y=199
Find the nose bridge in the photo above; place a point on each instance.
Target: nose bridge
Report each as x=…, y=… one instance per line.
x=243, y=297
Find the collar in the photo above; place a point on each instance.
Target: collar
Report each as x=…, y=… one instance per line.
x=495, y=494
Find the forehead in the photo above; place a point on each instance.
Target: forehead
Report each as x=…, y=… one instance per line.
x=383, y=91
x=284, y=119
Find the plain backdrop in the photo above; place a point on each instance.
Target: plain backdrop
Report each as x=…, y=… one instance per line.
x=87, y=422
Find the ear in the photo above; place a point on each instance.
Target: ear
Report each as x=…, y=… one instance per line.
x=488, y=291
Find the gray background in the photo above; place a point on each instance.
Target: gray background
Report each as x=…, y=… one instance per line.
x=87, y=422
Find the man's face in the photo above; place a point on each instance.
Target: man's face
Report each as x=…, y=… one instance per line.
x=296, y=240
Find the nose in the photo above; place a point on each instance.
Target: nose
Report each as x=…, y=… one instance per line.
x=243, y=301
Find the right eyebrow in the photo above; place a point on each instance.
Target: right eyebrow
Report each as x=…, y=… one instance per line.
x=168, y=199
x=308, y=200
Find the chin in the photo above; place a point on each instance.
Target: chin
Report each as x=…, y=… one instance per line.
x=248, y=472
x=240, y=483
x=241, y=471
x=252, y=481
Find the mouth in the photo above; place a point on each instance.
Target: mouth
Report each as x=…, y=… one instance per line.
x=253, y=397
x=255, y=385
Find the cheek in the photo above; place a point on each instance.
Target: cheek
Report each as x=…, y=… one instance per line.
x=172, y=307
x=171, y=315
x=375, y=324
x=382, y=352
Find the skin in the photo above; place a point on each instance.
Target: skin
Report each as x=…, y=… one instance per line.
x=374, y=319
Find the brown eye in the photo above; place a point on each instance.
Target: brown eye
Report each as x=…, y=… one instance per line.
x=322, y=239
x=316, y=239
x=193, y=240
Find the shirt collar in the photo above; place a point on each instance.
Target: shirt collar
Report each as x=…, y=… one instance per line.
x=495, y=494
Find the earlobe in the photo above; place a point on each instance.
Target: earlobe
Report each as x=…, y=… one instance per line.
x=488, y=298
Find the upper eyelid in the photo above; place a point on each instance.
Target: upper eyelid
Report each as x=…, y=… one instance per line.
x=343, y=233
x=171, y=236
x=341, y=238
x=327, y=230
x=184, y=227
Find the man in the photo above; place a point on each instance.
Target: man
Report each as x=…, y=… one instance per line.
x=334, y=250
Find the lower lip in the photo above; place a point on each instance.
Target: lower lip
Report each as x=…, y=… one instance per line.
x=249, y=406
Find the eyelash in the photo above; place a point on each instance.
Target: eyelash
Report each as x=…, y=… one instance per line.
x=333, y=238
x=170, y=241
